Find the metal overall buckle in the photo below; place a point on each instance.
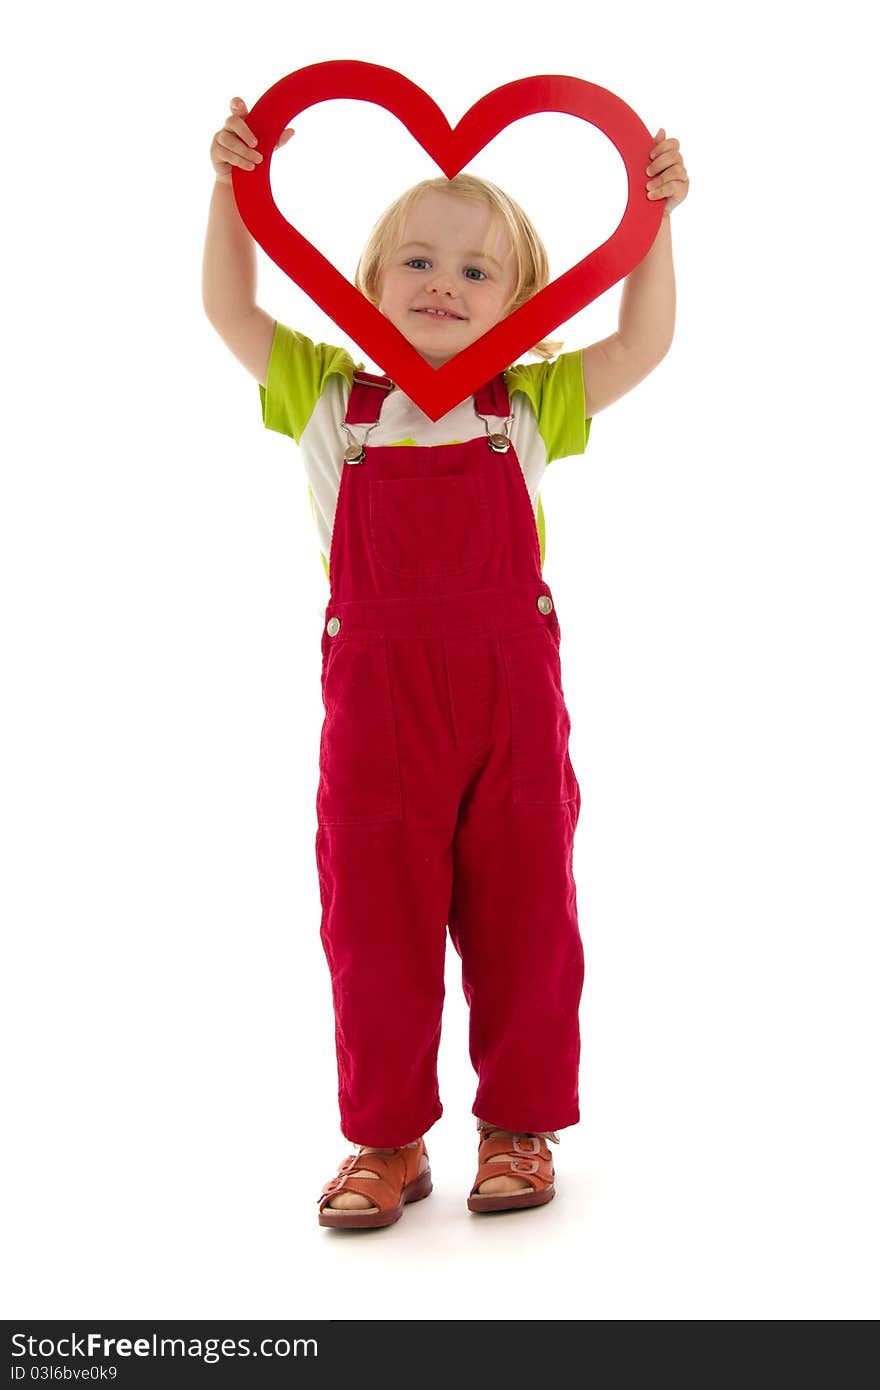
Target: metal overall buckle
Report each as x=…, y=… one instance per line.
x=356, y=451
x=499, y=443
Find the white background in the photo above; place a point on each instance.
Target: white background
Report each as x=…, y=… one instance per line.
x=168, y=1032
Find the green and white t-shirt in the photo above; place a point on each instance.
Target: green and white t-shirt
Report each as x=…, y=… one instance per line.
x=306, y=397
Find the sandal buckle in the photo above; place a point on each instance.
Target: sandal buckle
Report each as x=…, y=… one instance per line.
x=335, y=1184
x=534, y=1141
x=521, y=1165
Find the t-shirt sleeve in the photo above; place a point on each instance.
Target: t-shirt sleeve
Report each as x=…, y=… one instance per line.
x=297, y=373
x=556, y=392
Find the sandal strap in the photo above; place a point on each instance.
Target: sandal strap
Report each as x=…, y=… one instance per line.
x=377, y=1191
x=537, y=1172
x=393, y=1172
x=527, y=1157
x=518, y=1145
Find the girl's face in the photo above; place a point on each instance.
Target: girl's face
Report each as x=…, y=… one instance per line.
x=437, y=267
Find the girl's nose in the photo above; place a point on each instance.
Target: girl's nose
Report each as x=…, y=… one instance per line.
x=441, y=282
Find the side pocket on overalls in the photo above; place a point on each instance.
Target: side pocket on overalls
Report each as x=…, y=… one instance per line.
x=359, y=771
x=539, y=719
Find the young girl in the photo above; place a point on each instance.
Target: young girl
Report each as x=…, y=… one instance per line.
x=446, y=794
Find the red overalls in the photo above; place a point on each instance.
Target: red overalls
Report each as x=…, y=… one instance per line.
x=446, y=793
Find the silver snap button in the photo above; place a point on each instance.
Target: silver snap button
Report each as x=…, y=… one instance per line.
x=333, y=626
x=545, y=603
x=354, y=454
x=499, y=443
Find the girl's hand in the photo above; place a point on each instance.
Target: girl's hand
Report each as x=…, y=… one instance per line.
x=235, y=143
x=670, y=180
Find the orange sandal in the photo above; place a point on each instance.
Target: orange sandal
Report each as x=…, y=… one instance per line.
x=397, y=1182
x=528, y=1157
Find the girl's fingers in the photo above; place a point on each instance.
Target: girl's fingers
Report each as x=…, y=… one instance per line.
x=238, y=152
x=236, y=121
x=663, y=162
x=236, y=124
x=666, y=161
x=662, y=146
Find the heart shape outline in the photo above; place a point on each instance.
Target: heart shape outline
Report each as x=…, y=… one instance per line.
x=437, y=390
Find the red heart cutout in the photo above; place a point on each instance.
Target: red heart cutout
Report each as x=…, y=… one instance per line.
x=438, y=389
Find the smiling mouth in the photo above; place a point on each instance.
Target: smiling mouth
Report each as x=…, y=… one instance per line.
x=439, y=314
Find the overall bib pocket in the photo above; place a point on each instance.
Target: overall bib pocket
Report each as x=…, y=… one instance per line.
x=359, y=772
x=539, y=720
x=429, y=527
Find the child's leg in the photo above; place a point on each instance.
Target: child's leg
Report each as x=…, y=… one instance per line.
x=384, y=904
x=513, y=921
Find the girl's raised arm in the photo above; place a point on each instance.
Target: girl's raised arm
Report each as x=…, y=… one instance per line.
x=229, y=266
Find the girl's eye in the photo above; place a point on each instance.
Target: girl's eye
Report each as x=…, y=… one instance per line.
x=421, y=260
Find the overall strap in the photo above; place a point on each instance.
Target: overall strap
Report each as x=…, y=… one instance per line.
x=492, y=399
x=368, y=391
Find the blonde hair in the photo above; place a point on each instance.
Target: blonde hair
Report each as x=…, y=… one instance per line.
x=530, y=257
